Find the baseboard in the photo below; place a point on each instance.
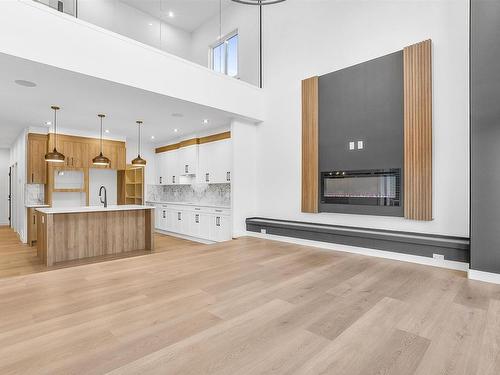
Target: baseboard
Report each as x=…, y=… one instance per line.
x=488, y=277
x=449, y=264
x=184, y=237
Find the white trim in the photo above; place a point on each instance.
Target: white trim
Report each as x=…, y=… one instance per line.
x=184, y=237
x=488, y=277
x=449, y=264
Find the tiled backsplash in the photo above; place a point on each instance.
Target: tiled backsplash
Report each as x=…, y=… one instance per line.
x=34, y=194
x=216, y=194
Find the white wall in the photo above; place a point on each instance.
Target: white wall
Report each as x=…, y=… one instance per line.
x=239, y=17
x=4, y=185
x=129, y=21
x=106, y=178
x=62, y=41
x=244, y=174
x=307, y=38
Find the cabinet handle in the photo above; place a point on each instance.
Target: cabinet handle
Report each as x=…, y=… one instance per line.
x=217, y=221
x=173, y=179
x=160, y=180
x=197, y=218
x=186, y=168
x=34, y=220
x=218, y=210
x=207, y=177
x=164, y=215
x=198, y=209
x=179, y=216
x=228, y=176
x=32, y=177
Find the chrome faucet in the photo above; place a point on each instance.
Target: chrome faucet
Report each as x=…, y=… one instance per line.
x=105, y=201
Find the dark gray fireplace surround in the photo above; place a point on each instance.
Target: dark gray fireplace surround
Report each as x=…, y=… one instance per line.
x=364, y=103
x=453, y=248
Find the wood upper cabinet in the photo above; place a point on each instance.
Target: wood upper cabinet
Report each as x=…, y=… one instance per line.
x=37, y=166
x=79, y=151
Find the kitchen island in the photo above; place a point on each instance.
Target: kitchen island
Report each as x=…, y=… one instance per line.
x=71, y=233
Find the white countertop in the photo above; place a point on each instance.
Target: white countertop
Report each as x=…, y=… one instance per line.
x=35, y=205
x=70, y=210
x=192, y=204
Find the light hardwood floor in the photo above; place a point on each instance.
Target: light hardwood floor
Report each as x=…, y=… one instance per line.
x=18, y=259
x=249, y=306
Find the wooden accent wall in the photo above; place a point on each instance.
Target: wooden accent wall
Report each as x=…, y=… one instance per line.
x=310, y=170
x=194, y=141
x=418, y=131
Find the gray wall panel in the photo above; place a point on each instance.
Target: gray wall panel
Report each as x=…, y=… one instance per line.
x=485, y=135
x=362, y=102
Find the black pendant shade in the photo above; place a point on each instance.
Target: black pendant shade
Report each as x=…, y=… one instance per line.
x=101, y=159
x=55, y=156
x=139, y=160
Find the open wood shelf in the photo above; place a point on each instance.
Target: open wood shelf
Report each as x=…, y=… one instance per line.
x=131, y=185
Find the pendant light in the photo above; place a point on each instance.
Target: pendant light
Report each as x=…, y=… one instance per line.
x=55, y=156
x=101, y=159
x=138, y=160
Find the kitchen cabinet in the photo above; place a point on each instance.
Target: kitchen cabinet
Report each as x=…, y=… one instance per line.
x=32, y=226
x=215, y=162
x=187, y=160
x=199, y=224
x=37, y=166
x=205, y=223
x=76, y=152
x=166, y=166
x=220, y=228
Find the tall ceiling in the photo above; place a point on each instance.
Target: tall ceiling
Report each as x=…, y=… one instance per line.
x=82, y=97
x=187, y=14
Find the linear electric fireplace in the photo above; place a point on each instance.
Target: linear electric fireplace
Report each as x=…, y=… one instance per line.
x=375, y=187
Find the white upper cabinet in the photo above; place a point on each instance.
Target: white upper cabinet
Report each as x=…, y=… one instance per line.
x=209, y=162
x=171, y=167
x=188, y=160
x=215, y=162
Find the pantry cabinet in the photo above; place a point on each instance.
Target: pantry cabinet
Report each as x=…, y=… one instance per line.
x=37, y=168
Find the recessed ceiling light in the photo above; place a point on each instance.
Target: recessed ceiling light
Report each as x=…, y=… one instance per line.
x=22, y=82
x=106, y=131
x=177, y=114
x=205, y=121
x=152, y=137
x=171, y=14
x=48, y=123
x=176, y=130
x=150, y=24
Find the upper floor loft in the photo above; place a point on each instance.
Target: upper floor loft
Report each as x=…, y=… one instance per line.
x=204, y=52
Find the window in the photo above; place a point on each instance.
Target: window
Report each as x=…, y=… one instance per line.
x=224, y=55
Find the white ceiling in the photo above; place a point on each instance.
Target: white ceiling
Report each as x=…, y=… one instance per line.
x=82, y=97
x=188, y=14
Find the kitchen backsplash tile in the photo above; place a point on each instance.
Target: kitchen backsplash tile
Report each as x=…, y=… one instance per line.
x=216, y=194
x=34, y=194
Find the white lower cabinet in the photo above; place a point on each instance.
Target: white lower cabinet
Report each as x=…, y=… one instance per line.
x=200, y=222
x=220, y=228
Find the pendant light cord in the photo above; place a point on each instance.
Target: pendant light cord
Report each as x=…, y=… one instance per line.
x=101, y=134
x=139, y=128
x=55, y=128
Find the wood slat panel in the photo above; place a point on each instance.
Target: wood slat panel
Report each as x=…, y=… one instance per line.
x=310, y=145
x=418, y=131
